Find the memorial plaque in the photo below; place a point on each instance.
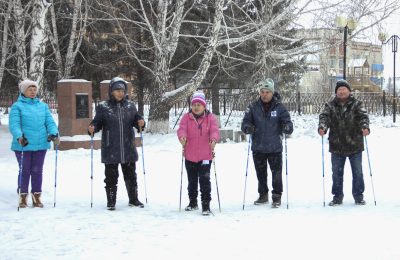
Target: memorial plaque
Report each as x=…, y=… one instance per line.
x=82, y=105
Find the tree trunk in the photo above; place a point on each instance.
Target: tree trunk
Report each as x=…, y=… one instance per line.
x=162, y=101
x=20, y=50
x=38, y=41
x=4, y=45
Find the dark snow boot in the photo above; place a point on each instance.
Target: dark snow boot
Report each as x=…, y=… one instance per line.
x=131, y=188
x=360, y=202
x=111, y=193
x=36, y=201
x=205, y=208
x=192, y=205
x=263, y=199
x=336, y=202
x=23, y=200
x=276, y=200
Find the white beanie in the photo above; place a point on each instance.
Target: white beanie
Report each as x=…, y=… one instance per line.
x=25, y=84
x=267, y=84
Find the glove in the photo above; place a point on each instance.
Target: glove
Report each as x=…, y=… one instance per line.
x=54, y=138
x=23, y=141
x=286, y=129
x=250, y=130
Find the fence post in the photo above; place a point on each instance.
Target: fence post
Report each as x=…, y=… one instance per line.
x=224, y=103
x=298, y=102
x=384, y=103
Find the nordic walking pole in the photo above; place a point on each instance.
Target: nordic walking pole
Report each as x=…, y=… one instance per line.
x=216, y=182
x=287, y=184
x=180, y=193
x=247, y=168
x=20, y=175
x=91, y=170
x=55, y=176
x=370, y=170
x=323, y=169
x=144, y=171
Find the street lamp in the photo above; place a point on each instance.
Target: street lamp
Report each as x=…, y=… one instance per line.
x=347, y=25
x=393, y=39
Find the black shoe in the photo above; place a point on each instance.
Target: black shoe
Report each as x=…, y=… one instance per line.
x=136, y=203
x=205, y=208
x=192, y=206
x=111, y=193
x=276, y=200
x=263, y=199
x=131, y=188
x=335, y=202
x=360, y=202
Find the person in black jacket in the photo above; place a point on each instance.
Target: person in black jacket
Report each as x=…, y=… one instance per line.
x=116, y=118
x=266, y=120
x=348, y=122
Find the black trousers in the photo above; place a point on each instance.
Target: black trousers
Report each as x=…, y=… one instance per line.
x=199, y=172
x=128, y=170
x=261, y=161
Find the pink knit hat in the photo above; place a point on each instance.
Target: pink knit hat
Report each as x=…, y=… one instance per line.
x=25, y=84
x=199, y=97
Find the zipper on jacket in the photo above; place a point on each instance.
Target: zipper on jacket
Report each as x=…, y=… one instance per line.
x=108, y=138
x=121, y=132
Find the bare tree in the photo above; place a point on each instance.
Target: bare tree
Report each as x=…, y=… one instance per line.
x=161, y=22
x=78, y=28
x=4, y=41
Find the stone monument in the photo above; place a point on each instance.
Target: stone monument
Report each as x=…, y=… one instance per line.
x=75, y=114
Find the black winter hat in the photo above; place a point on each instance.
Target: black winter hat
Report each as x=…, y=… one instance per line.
x=342, y=83
x=117, y=83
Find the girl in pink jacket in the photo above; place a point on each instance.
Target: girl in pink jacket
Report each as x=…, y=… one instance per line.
x=198, y=133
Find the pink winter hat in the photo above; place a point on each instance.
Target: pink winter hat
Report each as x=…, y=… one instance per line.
x=199, y=97
x=25, y=84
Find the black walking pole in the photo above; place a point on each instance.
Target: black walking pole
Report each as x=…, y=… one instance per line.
x=180, y=193
x=144, y=171
x=216, y=183
x=91, y=170
x=287, y=184
x=370, y=170
x=20, y=176
x=247, y=167
x=323, y=169
x=55, y=176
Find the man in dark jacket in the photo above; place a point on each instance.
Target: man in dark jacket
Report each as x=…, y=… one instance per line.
x=348, y=122
x=116, y=118
x=266, y=120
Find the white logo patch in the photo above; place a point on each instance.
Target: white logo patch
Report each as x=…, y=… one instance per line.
x=273, y=113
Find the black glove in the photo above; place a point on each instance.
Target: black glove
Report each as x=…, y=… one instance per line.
x=23, y=141
x=250, y=130
x=286, y=129
x=52, y=138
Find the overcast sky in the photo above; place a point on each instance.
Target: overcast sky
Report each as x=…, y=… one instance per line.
x=392, y=26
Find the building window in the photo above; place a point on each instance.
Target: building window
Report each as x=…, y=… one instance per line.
x=333, y=63
x=340, y=64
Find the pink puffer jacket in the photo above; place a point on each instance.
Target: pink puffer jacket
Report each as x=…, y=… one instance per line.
x=198, y=133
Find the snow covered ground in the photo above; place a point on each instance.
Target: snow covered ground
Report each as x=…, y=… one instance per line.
x=307, y=230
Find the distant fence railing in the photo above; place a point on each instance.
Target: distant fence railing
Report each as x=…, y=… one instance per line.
x=377, y=103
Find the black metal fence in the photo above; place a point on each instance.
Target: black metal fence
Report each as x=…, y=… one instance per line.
x=377, y=103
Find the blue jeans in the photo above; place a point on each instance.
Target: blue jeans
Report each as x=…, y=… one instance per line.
x=338, y=162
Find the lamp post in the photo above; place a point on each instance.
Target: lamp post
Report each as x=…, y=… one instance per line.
x=347, y=25
x=393, y=41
